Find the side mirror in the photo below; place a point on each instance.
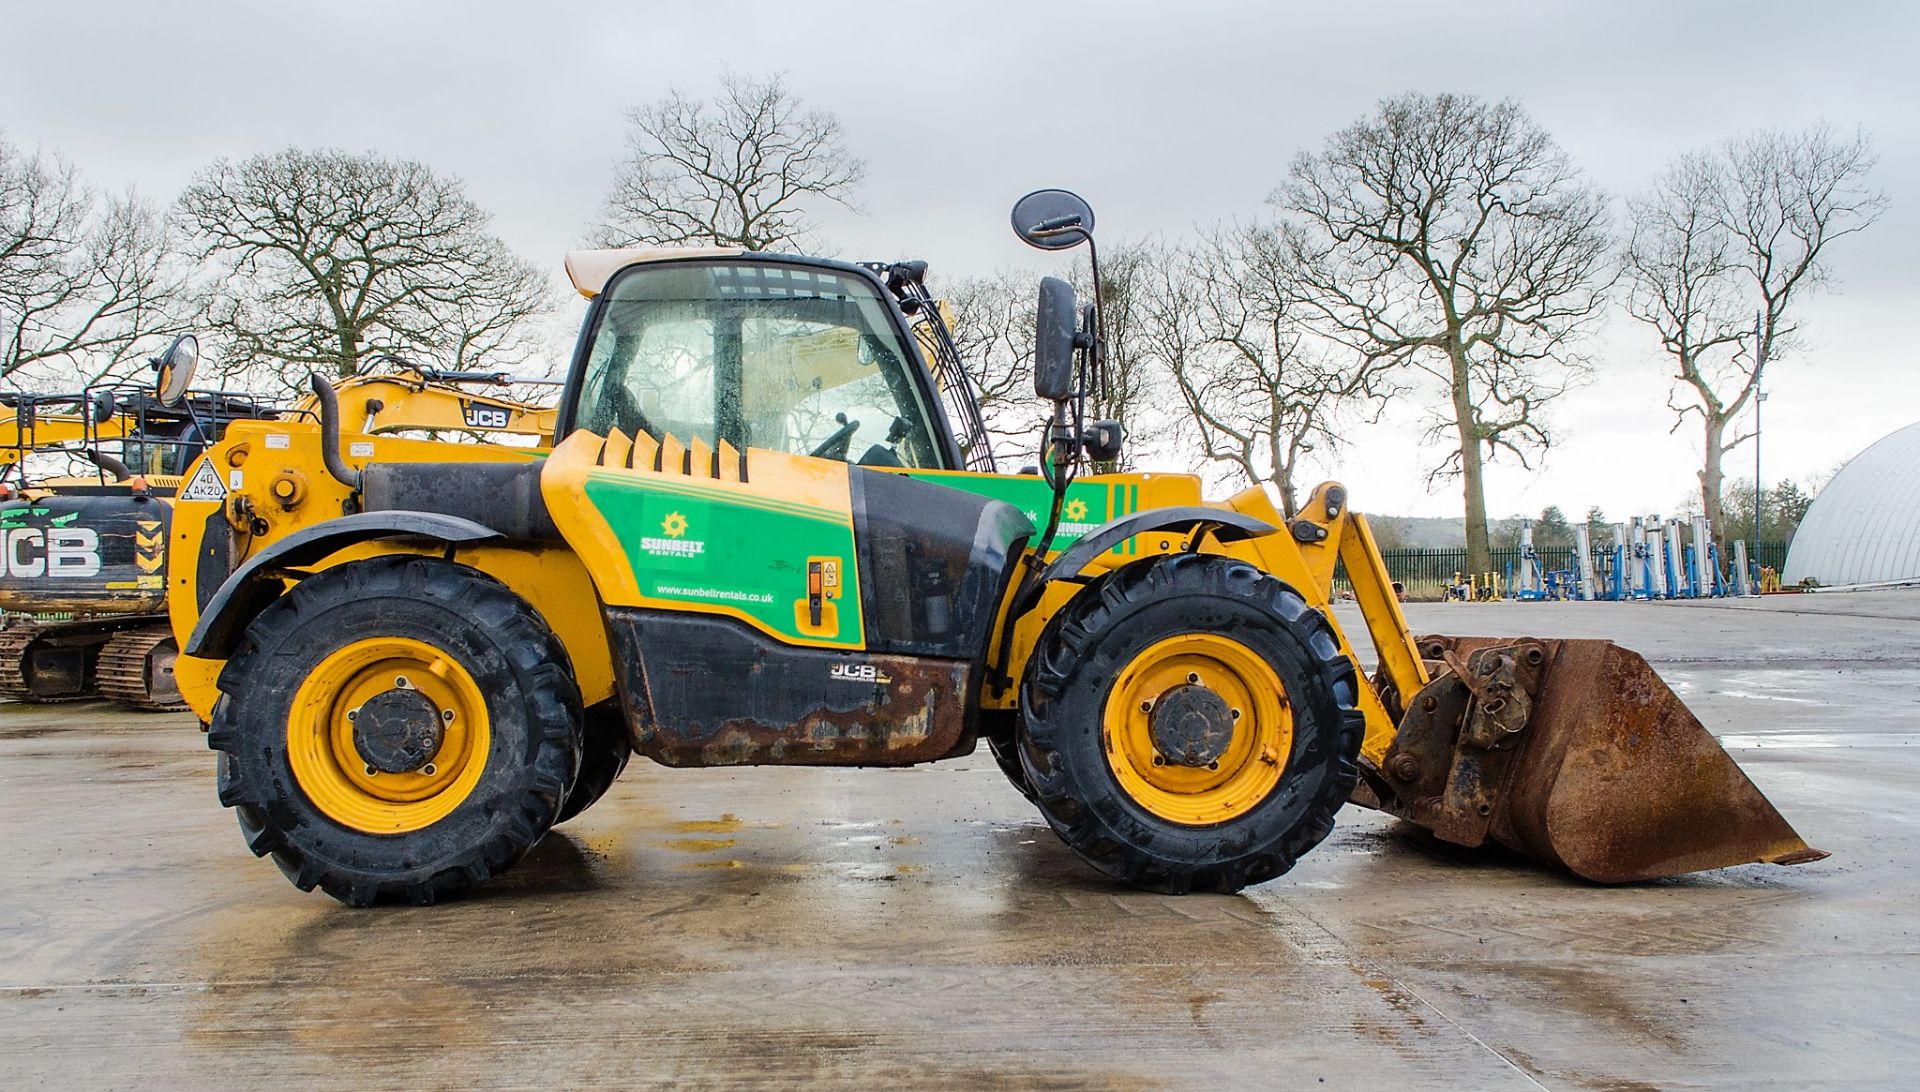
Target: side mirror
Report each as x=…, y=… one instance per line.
x=1055, y=329
x=174, y=369
x=1053, y=219
x=101, y=408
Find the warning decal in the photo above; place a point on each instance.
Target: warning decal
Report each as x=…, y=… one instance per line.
x=205, y=486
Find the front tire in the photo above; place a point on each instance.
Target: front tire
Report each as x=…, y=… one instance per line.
x=1190, y=723
x=396, y=728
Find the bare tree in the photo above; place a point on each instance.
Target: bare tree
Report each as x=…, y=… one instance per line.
x=1128, y=388
x=326, y=257
x=82, y=279
x=1262, y=391
x=1730, y=235
x=993, y=329
x=740, y=170
x=1454, y=237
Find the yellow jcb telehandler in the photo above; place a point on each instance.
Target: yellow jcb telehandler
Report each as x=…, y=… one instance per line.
x=770, y=532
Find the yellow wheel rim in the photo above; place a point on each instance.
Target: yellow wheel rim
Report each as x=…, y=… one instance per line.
x=328, y=763
x=1245, y=766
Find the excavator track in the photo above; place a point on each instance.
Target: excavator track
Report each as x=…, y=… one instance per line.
x=18, y=679
x=136, y=670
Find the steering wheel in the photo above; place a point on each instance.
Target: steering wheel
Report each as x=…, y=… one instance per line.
x=836, y=445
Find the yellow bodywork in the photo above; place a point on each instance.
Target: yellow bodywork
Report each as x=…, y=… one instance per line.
x=262, y=455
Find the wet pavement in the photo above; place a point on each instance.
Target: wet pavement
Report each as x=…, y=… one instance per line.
x=922, y=928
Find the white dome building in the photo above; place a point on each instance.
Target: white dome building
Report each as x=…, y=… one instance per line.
x=1864, y=527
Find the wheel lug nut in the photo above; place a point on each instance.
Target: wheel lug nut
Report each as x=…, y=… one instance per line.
x=1146, y=707
x=1158, y=761
x=371, y=772
x=446, y=715
x=1193, y=676
x=429, y=769
x=353, y=714
x=1213, y=765
x=1236, y=714
x=401, y=682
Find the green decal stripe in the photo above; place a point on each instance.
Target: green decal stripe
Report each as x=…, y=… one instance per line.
x=1033, y=496
x=708, y=493
x=721, y=548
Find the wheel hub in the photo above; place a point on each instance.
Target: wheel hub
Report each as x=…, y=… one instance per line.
x=1192, y=726
x=397, y=731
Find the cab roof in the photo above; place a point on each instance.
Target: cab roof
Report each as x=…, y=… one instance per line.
x=590, y=270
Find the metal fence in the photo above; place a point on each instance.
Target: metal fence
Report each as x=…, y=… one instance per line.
x=1426, y=572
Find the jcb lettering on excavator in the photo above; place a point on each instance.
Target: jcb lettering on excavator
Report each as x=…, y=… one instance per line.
x=66, y=552
x=489, y=417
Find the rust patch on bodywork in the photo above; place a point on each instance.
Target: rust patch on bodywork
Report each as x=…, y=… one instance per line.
x=706, y=691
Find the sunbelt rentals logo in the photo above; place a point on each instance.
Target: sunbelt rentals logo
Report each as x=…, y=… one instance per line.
x=672, y=540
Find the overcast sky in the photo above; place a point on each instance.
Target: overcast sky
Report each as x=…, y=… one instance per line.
x=1162, y=116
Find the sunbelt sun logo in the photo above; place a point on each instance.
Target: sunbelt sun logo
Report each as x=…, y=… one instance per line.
x=672, y=540
x=1073, y=519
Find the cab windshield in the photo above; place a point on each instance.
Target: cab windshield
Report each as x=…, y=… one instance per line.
x=788, y=357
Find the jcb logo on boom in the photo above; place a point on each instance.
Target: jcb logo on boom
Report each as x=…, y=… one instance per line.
x=61, y=552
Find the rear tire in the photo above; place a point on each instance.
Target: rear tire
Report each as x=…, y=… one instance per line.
x=605, y=749
x=405, y=646
x=1006, y=755
x=1207, y=638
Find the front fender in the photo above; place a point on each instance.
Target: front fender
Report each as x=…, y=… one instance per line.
x=256, y=584
x=1226, y=524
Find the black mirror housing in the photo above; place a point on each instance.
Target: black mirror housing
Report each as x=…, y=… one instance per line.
x=1103, y=440
x=1053, y=219
x=102, y=407
x=1055, y=335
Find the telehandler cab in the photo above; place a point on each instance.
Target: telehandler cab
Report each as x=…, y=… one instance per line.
x=770, y=533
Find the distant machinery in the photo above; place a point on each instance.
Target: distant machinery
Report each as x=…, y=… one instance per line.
x=1652, y=558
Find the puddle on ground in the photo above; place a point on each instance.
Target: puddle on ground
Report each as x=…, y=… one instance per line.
x=697, y=845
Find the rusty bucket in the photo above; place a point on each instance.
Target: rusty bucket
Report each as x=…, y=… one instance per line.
x=1576, y=754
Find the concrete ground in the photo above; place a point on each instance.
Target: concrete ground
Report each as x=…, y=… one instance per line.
x=922, y=928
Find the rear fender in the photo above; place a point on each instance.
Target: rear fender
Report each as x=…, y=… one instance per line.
x=257, y=583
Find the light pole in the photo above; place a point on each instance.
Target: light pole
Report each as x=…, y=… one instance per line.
x=1759, y=396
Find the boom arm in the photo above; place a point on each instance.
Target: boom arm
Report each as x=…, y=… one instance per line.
x=1325, y=533
x=19, y=438
x=372, y=404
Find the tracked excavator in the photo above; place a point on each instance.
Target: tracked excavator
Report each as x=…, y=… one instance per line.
x=771, y=532
x=83, y=558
